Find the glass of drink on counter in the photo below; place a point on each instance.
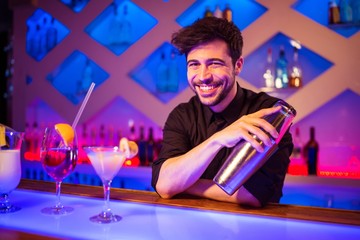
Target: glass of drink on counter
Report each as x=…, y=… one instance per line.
x=10, y=166
x=59, y=154
x=107, y=162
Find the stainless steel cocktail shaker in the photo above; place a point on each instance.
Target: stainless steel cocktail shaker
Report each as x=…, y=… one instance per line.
x=245, y=160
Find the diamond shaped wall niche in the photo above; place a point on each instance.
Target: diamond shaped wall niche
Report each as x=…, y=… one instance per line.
x=337, y=135
x=163, y=73
x=74, y=76
x=244, y=12
x=118, y=26
x=44, y=32
x=75, y=5
x=318, y=12
x=311, y=63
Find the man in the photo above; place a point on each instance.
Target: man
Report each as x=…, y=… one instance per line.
x=199, y=134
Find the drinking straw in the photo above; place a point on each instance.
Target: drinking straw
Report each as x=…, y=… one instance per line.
x=76, y=120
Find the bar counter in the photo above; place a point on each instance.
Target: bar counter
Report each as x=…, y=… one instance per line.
x=147, y=216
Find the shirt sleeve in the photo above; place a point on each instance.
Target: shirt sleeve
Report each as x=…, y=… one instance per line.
x=175, y=142
x=266, y=184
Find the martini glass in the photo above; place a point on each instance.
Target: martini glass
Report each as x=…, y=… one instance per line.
x=58, y=158
x=107, y=162
x=10, y=166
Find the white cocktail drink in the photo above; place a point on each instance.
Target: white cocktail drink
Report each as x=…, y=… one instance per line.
x=106, y=163
x=10, y=170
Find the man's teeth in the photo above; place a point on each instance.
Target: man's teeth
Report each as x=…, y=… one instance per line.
x=206, y=88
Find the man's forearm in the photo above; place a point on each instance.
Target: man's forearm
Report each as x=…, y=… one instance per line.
x=208, y=189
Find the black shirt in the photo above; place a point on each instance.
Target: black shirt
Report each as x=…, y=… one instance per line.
x=191, y=123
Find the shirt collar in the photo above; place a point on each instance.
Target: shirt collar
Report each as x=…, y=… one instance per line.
x=231, y=112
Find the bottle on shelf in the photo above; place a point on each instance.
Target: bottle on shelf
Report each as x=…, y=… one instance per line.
x=297, y=153
x=355, y=6
x=227, y=13
x=162, y=76
x=87, y=78
x=346, y=15
x=281, y=70
x=142, y=146
x=295, y=71
x=150, y=150
x=311, y=150
x=218, y=13
x=269, y=70
x=102, y=135
x=125, y=27
x=208, y=12
x=334, y=13
x=51, y=35
x=110, y=140
x=173, y=74
x=120, y=27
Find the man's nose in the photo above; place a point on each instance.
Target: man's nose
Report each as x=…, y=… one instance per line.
x=204, y=73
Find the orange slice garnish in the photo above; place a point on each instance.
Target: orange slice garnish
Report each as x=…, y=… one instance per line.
x=66, y=132
x=129, y=147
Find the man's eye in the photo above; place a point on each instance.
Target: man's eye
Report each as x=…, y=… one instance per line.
x=216, y=63
x=192, y=64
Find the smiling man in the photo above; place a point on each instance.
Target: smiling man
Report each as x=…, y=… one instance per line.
x=200, y=134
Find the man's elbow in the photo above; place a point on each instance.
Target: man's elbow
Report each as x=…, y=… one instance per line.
x=164, y=192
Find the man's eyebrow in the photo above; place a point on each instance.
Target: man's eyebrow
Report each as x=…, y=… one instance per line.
x=207, y=60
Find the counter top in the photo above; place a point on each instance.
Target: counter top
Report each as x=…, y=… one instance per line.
x=146, y=214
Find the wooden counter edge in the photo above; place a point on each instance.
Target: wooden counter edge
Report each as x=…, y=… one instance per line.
x=328, y=215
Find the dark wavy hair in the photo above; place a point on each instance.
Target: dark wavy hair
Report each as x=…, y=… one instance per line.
x=208, y=29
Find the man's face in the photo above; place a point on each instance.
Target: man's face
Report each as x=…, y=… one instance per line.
x=211, y=74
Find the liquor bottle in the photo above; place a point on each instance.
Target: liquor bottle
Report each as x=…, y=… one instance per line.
x=162, y=75
x=297, y=153
x=281, y=71
x=142, y=146
x=208, y=12
x=28, y=137
x=102, y=135
x=334, y=13
x=125, y=28
x=150, y=150
x=114, y=26
x=355, y=6
x=311, y=150
x=110, y=141
x=345, y=12
x=173, y=74
x=87, y=78
x=51, y=35
x=218, y=13
x=35, y=43
x=269, y=70
x=93, y=137
x=295, y=74
x=227, y=13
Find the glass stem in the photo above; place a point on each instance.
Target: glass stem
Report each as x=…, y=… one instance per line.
x=58, y=191
x=106, y=185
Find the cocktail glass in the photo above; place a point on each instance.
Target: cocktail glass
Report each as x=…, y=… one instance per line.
x=107, y=162
x=10, y=166
x=58, y=156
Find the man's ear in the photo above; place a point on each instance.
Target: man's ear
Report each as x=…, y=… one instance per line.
x=238, y=65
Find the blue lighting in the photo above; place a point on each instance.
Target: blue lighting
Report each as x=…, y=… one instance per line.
x=244, y=12
x=74, y=76
x=75, y=5
x=163, y=73
x=254, y=65
x=118, y=26
x=317, y=11
x=44, y=33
